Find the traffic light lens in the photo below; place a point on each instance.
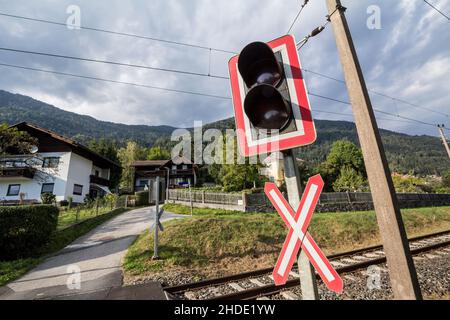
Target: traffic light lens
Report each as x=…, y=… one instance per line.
x=258, y=65
x=266, y=108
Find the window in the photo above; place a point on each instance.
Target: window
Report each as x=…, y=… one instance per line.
x=51, y=162
x=143, y=183
x=174, y=167
x=13, y=190
x=97, y=173
x=48, y=188
x=78, y=190
x=185, y=167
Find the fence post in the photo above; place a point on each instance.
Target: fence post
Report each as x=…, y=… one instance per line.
x=244, y=201
x=96, y=206
x=203, y=196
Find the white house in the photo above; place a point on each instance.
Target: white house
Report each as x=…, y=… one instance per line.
x=61, y=166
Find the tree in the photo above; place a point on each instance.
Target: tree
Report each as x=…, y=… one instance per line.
x=236, y=177
x=131, y=153
x=109, y=150
x=349, y=181
x=158, y=153
x=13, y=141
x=446, y=179
x=344, y=158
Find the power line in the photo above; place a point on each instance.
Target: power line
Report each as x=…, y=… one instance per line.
x=115, y=81
x=199, y=93
x=351, y=115
x=434, y=7
x=112, y=63
x=376, y=110
x=298, y=15
x=379, y=94
x=118, y=33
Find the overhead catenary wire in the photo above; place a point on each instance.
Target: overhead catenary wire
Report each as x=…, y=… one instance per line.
x=125, y=34
x=375, y=109
x=315, y=32
x=193, y=92
x=112, y=63
x=438, y=10
x=115, y=81
x=210, y=49
x=305, y=3
x=379, y=93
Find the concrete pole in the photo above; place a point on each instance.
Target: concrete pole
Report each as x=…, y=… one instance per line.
x=156, y=226
x=402, y=273
x=444, y=139
x=306, y=270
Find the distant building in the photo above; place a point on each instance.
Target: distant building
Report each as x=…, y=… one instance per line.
x=180, y=175
x=61, y=166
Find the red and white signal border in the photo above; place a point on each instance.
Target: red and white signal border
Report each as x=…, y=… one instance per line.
x=249, y=142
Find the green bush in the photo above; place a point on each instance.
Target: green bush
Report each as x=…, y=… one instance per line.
x=24, y=230
x=142, y=198
x=48, y=198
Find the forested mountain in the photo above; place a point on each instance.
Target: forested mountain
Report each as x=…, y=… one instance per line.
x=418, y=154
x=15, y=108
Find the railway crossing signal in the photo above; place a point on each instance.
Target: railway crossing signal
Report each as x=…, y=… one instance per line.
x=299, y=238
x=270, y=96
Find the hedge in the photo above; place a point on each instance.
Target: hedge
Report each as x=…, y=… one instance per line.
x=142, y=198
x=25, y=229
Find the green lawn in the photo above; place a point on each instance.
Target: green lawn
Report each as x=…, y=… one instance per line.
x=227, y=242
x=70, y=217
x=66, y=234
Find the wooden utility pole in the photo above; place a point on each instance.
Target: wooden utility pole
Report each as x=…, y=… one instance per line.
x=402, y=273
x=444, y=139
x=293, y=184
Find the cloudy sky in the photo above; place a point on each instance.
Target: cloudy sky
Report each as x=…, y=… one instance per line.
x=408, y=58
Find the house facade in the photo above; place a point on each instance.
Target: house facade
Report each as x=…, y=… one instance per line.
x=180, y=174
x=60, y=166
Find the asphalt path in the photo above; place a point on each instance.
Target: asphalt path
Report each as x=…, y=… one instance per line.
x=95, y=259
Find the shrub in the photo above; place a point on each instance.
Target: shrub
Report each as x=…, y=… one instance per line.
x=24, y=230
x=70, y=202
x=142, y=198
x=48, y=198
x=64, y=203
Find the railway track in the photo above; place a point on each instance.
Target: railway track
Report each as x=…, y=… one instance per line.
x=259, y=284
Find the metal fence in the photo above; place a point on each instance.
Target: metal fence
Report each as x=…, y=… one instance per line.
x=249, y=202
x=206, y=197
x=360, y=197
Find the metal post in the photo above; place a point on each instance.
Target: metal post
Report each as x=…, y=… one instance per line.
x=167, y=184
x=156, y=226
x=444, y=139
x=306, y=270
x=396, y=246
x=190, y=199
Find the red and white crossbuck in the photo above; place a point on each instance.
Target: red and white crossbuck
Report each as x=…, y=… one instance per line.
x=298, y=236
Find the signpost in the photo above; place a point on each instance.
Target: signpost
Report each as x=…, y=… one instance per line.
x=157, y=225
x=269, y=94
x=298, y=236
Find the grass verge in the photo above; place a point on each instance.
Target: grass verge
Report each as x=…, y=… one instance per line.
x=11, y=270
x=186, y=210
x=216, y=245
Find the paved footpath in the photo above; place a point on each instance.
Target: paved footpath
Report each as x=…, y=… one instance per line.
x=98, y=255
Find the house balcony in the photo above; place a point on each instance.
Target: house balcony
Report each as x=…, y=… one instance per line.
x=23, y=173
x=100, y=181
x=17, y=167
